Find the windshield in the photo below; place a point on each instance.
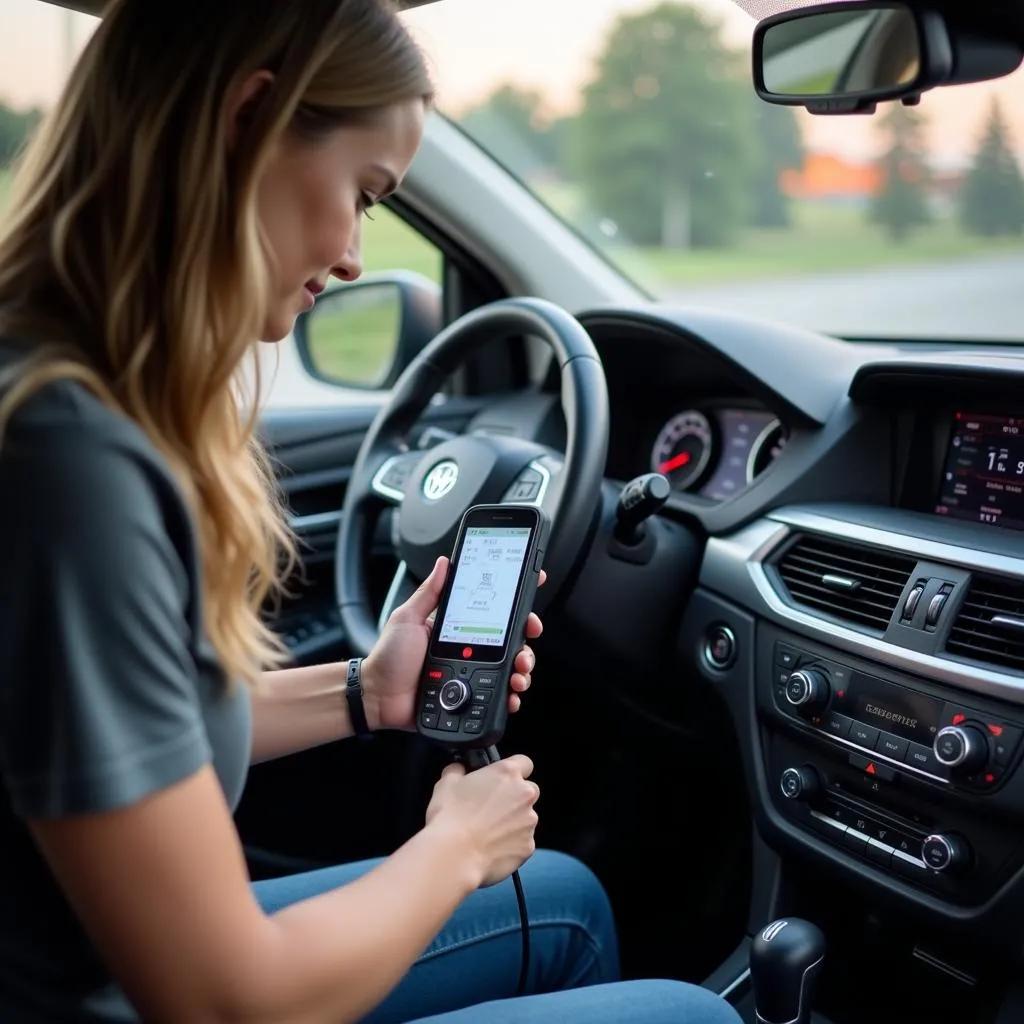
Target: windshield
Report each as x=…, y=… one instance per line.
x=637, y=122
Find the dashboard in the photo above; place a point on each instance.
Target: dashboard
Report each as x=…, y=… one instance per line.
x=859, y=601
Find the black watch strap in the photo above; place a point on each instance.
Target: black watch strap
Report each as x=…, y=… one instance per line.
x=354, y=697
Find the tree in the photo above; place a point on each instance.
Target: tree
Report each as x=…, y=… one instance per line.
x=992, y=201
x=511, y=125
x=664, y=142
x=902, y=201
x=780, y=148
x=15, y=128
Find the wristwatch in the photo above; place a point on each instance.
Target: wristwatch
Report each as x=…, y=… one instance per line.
x=354, y=698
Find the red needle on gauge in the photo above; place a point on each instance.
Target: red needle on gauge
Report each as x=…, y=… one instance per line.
x=676, y=462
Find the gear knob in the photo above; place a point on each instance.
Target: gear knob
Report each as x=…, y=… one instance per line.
x=785, y=961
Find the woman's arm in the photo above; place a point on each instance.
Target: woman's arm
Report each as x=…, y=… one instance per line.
x=298, y=708
x=161, y=888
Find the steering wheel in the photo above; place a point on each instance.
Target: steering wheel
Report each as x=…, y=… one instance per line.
x=434, y=486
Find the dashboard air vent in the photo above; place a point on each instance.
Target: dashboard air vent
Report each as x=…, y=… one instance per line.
x=990, y=624
x=846, y=581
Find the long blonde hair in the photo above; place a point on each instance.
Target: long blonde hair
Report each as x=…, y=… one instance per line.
x=132, y=260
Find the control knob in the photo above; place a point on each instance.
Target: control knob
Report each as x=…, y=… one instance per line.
x=454, y=694
x=963, y=748
x=799, y=783
x=807, y=689
x=945, y=852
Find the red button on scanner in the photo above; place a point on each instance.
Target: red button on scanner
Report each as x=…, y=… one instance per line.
x=467, y=652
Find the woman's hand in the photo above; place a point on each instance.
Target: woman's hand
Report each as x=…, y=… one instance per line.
x=493, y=809
x=391, y=672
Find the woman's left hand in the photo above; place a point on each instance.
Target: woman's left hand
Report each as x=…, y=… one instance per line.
x=391, y=671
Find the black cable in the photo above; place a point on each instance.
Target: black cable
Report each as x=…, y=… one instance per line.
x=490, y=755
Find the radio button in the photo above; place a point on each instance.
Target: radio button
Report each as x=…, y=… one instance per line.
x=864, y=735
x=879, y=853
x=892, y=746
x=785, y=656
x=855, y=841
x=907, y=845
x=836, y=724
x=922, y=757
x=908, y=867
x=838, y=813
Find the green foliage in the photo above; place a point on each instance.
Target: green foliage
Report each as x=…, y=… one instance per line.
x=780, y=148
x=15, y=128
x=992, y=202
x=664, y=144
x=511, y=126
x=902, y=203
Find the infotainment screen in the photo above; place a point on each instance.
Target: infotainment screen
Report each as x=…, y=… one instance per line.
x=983, y=475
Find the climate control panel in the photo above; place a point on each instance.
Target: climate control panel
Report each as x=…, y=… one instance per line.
x=909, y=778
x=899, y=728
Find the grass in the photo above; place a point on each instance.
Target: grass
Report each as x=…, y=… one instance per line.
x=822, y=239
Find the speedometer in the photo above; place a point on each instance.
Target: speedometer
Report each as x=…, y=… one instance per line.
x=765, y=449
x=683, y=449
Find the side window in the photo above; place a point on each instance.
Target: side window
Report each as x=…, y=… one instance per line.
x=359, y=334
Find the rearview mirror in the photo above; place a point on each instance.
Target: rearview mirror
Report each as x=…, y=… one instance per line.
x=846, y=57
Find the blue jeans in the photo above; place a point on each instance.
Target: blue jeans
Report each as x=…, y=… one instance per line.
x=469, y=973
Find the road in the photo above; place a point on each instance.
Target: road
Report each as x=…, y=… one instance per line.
x=982, y=298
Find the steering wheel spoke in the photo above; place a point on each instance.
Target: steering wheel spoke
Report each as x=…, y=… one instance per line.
x=531, y=486
x=403, y=585
x=388, y=483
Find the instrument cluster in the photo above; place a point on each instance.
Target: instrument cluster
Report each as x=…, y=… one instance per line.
x=716, y=451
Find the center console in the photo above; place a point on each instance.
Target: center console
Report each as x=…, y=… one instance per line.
x=872, y=661
x=911, y=778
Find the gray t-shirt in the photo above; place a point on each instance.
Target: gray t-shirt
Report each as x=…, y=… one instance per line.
x=109, y=689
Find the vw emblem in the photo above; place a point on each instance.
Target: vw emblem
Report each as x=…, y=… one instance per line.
x=440, y=480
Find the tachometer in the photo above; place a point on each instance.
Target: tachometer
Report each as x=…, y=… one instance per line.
x=683, y=448
x=765, y=449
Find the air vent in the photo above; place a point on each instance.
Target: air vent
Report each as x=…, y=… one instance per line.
x=990, y=625
x=846, y=581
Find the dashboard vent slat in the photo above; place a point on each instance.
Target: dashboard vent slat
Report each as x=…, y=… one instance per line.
x=988, y=625
x=850, y=582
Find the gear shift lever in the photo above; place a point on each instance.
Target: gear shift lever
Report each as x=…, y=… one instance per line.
x=785, y=961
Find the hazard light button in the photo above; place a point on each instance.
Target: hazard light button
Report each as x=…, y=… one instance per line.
x=874, y=769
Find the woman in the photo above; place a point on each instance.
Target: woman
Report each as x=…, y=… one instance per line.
x=201, y=178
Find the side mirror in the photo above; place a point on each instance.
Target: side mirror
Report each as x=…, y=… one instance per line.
x=364, y=334
x=841, y=58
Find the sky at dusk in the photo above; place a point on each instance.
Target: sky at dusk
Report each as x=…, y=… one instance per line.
x=475, y=45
